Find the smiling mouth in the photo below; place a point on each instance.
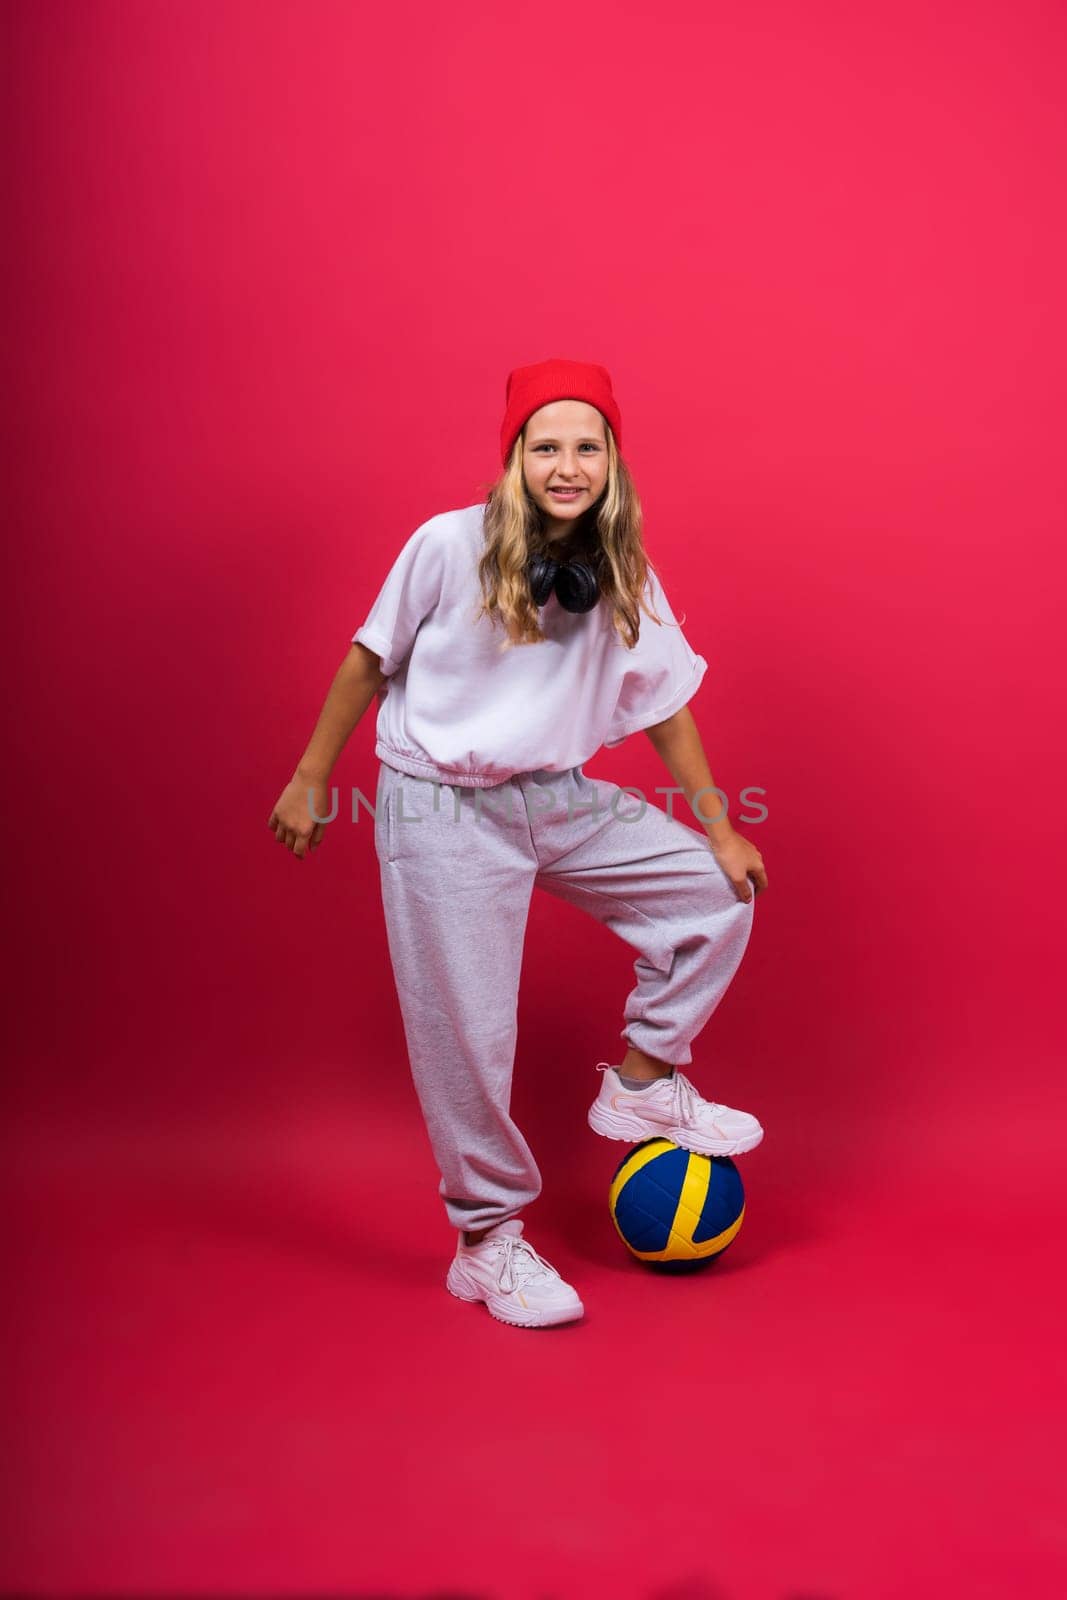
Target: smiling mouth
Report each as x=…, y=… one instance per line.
x=567, y=494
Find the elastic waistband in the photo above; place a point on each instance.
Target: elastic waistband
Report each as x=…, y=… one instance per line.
x=424, y=772
x=544, y=776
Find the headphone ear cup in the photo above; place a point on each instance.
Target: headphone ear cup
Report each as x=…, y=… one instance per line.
x=577, y=588
x=541, y=574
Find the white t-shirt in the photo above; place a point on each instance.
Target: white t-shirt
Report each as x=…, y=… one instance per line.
x=459, y=708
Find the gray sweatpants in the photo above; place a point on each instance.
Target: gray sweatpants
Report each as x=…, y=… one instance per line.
x=458, y=866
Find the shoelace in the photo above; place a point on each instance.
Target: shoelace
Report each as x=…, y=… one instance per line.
x=687, y=1100
x=520, y=1262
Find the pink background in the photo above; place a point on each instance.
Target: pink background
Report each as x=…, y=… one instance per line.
x=270, y=266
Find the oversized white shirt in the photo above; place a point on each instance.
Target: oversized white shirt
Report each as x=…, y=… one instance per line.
x=459, y=708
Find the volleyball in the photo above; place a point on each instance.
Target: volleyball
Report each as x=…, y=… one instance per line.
x=675, y=1209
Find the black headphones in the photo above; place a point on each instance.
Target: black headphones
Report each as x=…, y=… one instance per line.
x=575, y=583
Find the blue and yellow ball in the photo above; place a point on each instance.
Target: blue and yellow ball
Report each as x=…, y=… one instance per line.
x=675, y=1209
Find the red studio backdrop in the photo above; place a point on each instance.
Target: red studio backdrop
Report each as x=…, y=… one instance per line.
x=268, y=268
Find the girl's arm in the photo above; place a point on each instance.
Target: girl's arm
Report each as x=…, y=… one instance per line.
x=677, y=742
x=358, y=679
x=306, y=796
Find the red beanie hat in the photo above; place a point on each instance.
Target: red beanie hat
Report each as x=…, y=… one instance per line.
x=530, y=388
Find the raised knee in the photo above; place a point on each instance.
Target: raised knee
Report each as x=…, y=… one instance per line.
x=725, y=897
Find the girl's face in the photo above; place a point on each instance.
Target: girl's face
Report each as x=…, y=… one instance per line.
x=565, y=447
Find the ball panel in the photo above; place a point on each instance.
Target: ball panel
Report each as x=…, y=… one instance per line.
x=640, y=1154
x=646, y=1203
x=724, y=1200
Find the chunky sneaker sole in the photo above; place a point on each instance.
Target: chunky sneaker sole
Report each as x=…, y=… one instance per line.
x=672, y=1110
x=504, y=1307
x=517, y=1285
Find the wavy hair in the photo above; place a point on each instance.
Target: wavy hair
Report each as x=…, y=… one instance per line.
x=609, y=535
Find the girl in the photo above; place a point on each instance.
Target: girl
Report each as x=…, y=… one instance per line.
x=505, y=647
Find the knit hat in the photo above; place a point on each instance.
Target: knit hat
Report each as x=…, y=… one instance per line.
x=530, y=388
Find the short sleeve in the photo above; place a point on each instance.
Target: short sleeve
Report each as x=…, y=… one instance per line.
x=662, y=673
x=409, y=594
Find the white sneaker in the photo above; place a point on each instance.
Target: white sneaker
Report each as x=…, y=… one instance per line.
x=517, y=1284
x=672, y=1109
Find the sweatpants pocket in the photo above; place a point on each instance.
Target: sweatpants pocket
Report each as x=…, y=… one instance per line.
x=384, y=812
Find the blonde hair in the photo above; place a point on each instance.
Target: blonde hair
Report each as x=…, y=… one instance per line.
x=611, y=544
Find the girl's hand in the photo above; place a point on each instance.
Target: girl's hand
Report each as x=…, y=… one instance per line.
x=291, y=820
x=741, y=861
